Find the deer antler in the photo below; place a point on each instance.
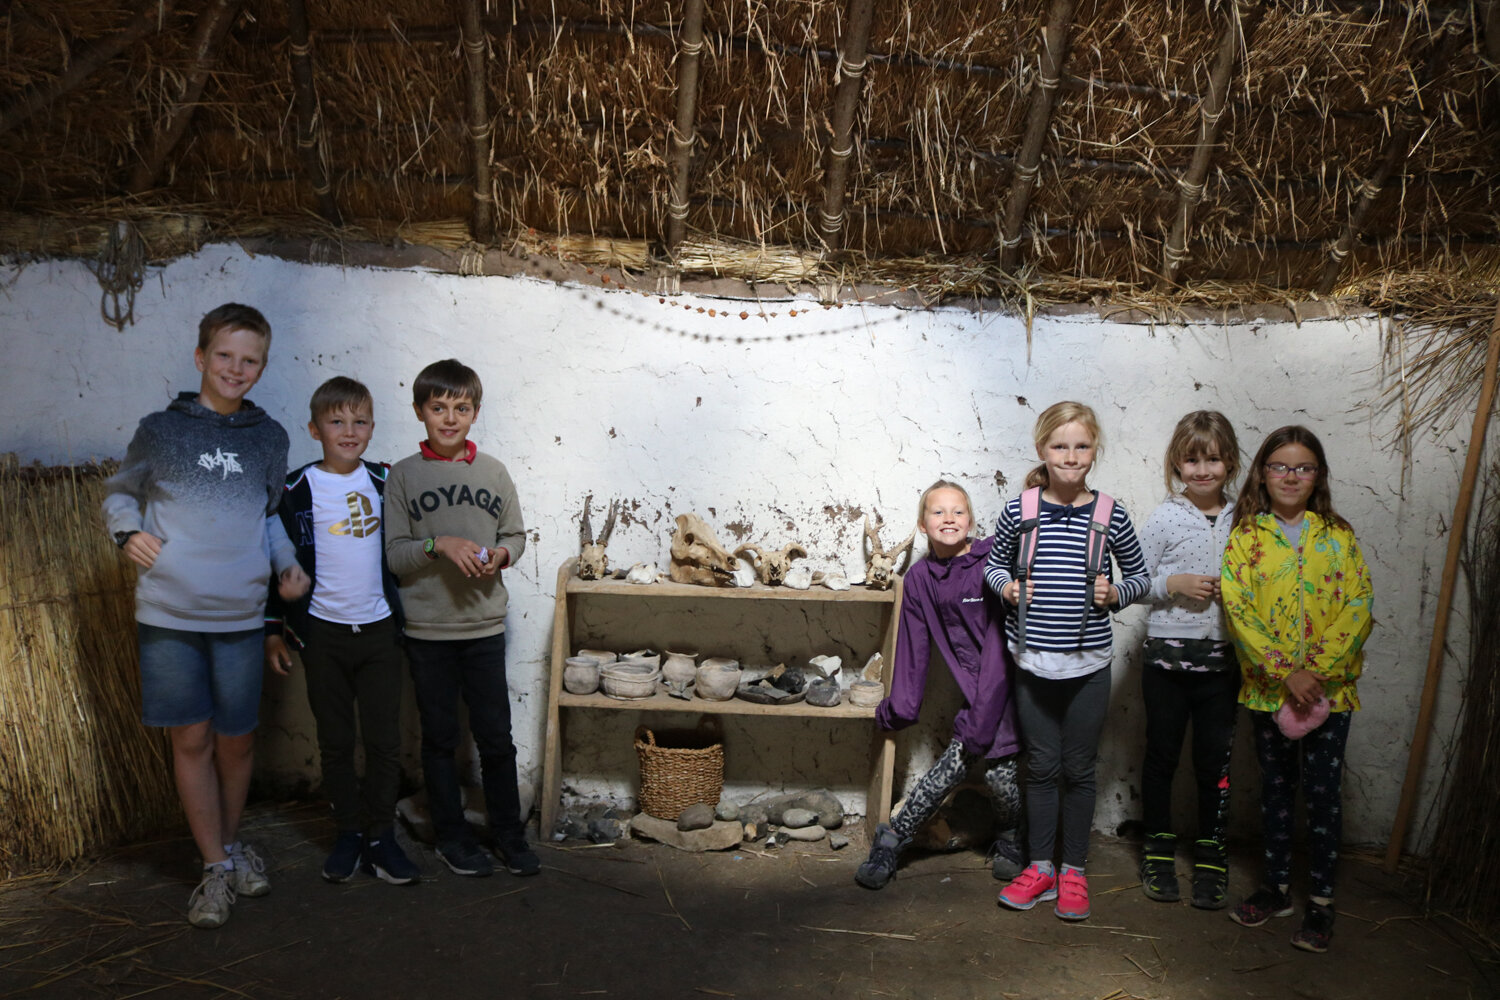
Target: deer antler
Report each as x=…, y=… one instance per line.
x=902, y=550
x=585, y=529
x=873, y=534
x=754, y=557
x=609, y=522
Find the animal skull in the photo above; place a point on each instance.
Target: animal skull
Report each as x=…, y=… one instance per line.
x=880, y=565
x=593, y=564
x=697, y=556
x=771, y=567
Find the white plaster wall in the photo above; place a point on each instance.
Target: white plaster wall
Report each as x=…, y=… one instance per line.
x=783, y=427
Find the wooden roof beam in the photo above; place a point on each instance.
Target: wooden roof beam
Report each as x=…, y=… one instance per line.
x=1396, y=149
x=475, y=42
x=148, y=20
x=684, y=132
x=1238, y=26
x=213, y=24
x=309, y=115
x=1039, y=117
x=851, y=74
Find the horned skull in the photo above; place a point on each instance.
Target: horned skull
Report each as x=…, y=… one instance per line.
x=880, y=565
x=697, y=556
x=771, y=567
x=593, y=564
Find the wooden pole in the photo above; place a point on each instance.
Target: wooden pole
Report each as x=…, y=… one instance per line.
x=853, y=61
x=309, y=116
x=684, y=131
x=1415, y=762
x=482, y=218
x=1038, y=119
x=213, y=24
x=1238, y=25
x=81, y=66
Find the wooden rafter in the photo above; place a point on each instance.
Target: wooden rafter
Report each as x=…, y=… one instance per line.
x=852, y=65
x=1038, y=119
x=482, y=218
x=684, y=134
x=148, y=20
x=1239, y=24
x=213, y=24
x=309, y=115
x=1396, y=149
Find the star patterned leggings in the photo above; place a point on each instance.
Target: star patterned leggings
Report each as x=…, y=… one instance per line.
x=949, y=771
x=1318, y=760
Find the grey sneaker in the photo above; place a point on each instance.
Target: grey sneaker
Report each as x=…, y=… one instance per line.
x=249, y=871
x=880, y=867
x=208, y=906
x=1006, y=861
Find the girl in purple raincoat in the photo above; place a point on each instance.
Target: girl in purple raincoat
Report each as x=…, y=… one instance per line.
x=945, y=603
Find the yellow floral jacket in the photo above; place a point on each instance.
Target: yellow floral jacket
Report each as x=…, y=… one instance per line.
x=1289, y=609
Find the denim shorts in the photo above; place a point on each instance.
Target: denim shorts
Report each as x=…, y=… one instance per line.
x=192, y=677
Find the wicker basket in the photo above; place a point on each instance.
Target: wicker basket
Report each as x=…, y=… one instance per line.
x=675, y=777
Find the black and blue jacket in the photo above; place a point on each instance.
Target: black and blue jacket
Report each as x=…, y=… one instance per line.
x=285, y=619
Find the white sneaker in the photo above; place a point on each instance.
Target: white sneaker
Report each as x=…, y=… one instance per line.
x=249, y=873
x=208, y=906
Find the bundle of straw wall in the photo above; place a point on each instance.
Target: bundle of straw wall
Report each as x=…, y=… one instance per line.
x=77, y=769
x=1463, y=866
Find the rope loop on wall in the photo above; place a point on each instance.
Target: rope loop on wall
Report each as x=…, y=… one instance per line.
x=120, y=270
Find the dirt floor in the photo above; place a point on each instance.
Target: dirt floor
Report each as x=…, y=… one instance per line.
x=643, y=920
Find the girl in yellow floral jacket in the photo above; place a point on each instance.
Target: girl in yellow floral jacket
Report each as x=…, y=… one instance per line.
x=1297, y=600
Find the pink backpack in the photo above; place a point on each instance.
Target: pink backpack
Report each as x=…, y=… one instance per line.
x=1098, y=544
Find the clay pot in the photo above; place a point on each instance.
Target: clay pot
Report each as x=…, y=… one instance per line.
x=679, y=670
x=627, y=680
x=866, y=693
x=601, y=656
x=650, y=657
x=718, y=678
x=580, y=675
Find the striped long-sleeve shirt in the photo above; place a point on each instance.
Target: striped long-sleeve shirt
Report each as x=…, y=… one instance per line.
x=1060, y=599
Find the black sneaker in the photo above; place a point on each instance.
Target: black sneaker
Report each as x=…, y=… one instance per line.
x=1159, y=868
x=1210, y=876
x=518, y=858
x=1317, y=929
x=343, y=860
x=880, y=867
x=1263, y=904
x=465, y=859
x=1006, y=860
x=386, y=861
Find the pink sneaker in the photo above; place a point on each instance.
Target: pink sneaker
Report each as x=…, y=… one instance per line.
x=1029, y=888
x=1072, y=895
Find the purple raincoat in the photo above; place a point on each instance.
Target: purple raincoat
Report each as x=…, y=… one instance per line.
x=945, y=601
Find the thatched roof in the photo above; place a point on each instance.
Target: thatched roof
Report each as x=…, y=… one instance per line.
x=1031, y=150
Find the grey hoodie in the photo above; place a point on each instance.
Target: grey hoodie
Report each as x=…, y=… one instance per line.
x=207, y=484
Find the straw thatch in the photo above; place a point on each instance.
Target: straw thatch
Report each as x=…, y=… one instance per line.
x=1332, y=144
x=1462, y=866
x=78, y=771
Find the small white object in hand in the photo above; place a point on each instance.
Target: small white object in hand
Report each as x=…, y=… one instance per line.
x=483, y=556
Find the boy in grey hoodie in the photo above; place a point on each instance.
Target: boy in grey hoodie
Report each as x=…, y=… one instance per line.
x=193, y=506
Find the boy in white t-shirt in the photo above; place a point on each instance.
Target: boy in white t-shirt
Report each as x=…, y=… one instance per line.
x=346, y=628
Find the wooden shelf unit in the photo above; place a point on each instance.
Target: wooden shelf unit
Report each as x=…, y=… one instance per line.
x=571, y=590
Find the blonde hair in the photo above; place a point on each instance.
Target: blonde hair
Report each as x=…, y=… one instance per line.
x=1053, y=417
x=1202, y=432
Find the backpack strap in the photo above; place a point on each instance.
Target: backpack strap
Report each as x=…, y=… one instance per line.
x=1095, y=550
x=1031, y=504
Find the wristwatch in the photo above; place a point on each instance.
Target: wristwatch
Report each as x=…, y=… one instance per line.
x=121, y=537
x=429, y=546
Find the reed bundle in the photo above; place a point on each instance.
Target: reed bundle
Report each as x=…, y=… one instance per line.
x=1463, y=869
x=78, y=771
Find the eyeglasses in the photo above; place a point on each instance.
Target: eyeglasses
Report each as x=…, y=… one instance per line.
x=1281, y=470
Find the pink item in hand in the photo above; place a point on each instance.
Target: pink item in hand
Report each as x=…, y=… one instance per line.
x=1296, y=723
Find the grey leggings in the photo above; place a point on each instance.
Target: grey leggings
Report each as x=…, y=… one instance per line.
x=1060, y=723
x=949, y=771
